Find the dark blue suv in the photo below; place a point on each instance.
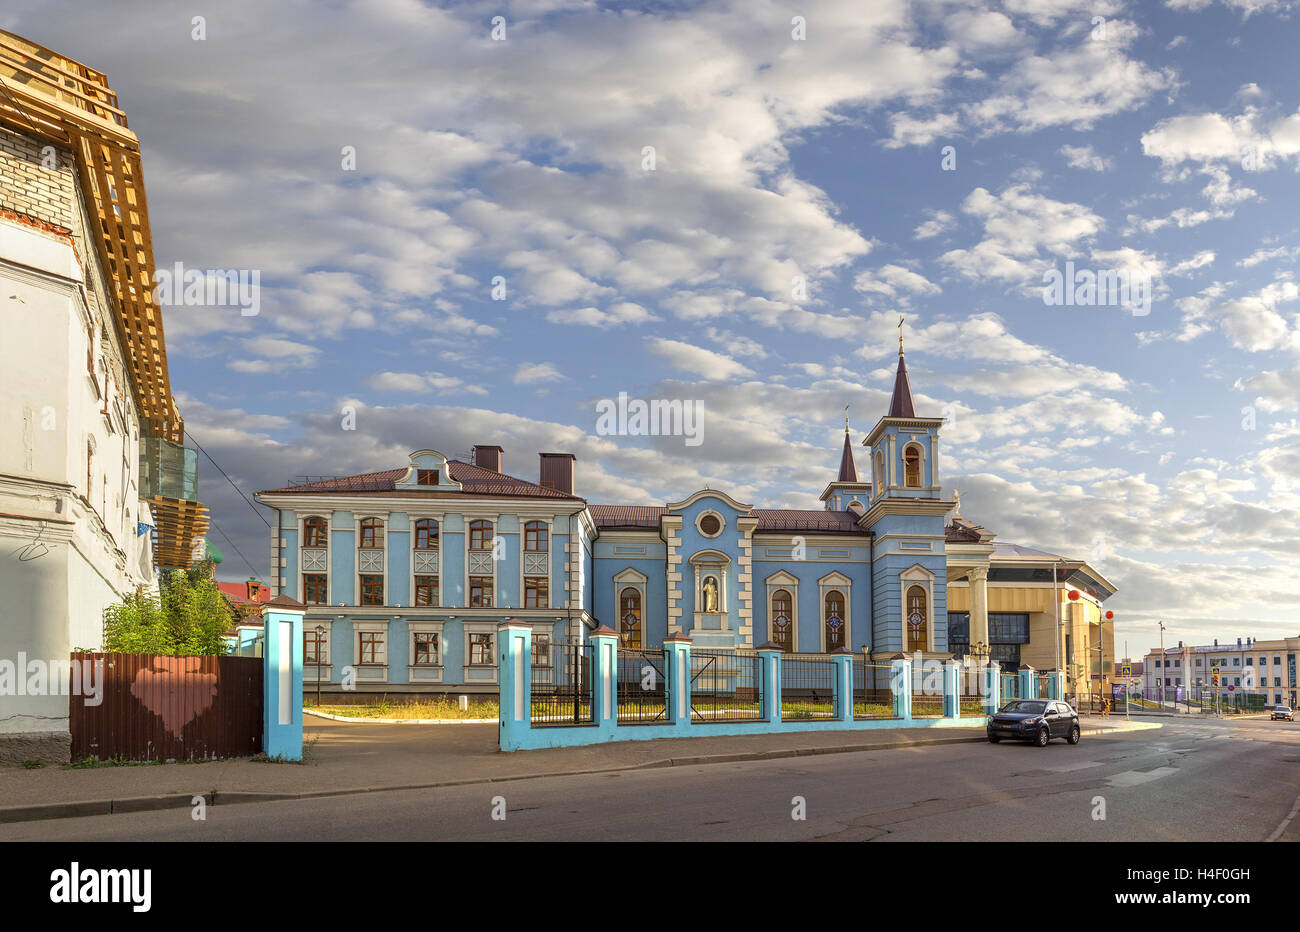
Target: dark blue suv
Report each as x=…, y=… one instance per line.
x=1036, y=720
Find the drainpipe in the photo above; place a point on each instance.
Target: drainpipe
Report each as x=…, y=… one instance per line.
x=871, y=587
x=1060, y=627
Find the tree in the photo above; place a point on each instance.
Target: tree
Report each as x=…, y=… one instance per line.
x=188, y=617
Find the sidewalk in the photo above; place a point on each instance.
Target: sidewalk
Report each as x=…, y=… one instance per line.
x=363, y=757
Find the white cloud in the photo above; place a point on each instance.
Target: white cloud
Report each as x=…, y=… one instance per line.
x=702, y=362
x=1086, y=159
x=530, y=373
x=941, y=221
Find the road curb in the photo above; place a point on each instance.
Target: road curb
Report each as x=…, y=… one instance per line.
x=73, y=810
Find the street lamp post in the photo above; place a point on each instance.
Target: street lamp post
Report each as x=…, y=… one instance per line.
x=320, y=633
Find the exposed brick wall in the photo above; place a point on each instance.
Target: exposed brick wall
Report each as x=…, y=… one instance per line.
x=52, y=196
x=28, y=187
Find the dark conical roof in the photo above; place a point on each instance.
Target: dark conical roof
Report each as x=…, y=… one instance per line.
x=902, y=404
x=848, y=468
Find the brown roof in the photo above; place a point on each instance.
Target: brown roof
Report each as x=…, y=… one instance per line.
x=474, y=480
x=962, y=531
x=815, y=520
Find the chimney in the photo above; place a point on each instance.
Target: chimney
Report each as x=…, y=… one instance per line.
x=254, y=588
x=557, y=471
x=486, y=457
x=1238, y=642
x=1216, y=642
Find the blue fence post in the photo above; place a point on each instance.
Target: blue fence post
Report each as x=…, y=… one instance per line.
x=282, y=678
x=992, y=688
x=769, y=690
x=1027, y=690
x=604, y=677
x=1057, y=684
x=842, y=657
x=951, y=689
x=677, y=669
x=900, y=683
x=515, y=672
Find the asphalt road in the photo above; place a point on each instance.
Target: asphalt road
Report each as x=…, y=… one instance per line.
x=1189, y=781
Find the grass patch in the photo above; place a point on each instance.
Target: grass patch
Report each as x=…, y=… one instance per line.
x=437, y=707
x=33, y=764
x=94, y=763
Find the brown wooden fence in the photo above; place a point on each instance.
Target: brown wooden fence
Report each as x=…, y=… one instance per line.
x=158, y=707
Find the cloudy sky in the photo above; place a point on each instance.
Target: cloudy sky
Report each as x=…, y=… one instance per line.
x=382, y=163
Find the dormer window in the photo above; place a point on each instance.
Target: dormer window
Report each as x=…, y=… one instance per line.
x=912, y=467
x=426, y=477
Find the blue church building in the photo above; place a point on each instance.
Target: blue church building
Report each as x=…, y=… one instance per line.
x=407, y=572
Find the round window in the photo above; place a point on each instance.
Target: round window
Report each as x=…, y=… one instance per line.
x=710, y=525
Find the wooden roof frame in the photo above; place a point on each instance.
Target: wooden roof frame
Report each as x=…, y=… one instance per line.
x=67, y=103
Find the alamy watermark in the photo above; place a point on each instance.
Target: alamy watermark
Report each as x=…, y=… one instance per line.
x=659, y=417
x=37, y=677
x=1098, y=288
x=182, y=287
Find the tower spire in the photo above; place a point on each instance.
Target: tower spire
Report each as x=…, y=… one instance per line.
x=848, y=468
x=902, y=405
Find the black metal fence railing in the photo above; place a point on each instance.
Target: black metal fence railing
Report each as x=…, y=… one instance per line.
x=725, y=686
x=927, y=705
x=873, y=696
x=641, y=684
x=971, y=700
x=807, y=688
x=561, y=693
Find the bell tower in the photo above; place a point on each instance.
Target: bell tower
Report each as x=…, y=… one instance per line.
x=906, y=515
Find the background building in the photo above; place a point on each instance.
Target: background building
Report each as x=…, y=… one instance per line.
x=94, y=486
x=1263, y=667
x=407, y=572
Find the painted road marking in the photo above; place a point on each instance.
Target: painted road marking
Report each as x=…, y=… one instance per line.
x=1138, y=777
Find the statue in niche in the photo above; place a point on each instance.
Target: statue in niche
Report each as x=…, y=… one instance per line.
x=710, y=593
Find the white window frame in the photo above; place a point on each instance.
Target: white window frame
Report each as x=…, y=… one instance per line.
x=494, y=523
x=916, y=575
x=425, y=672
x=475, y=673
x=782, y=579
x=309, y=626
x=370, y=672
x=523, y=559
x=628, y=578
x=384, y=521
x=839, y=582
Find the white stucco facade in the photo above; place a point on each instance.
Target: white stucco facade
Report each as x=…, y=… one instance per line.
x=69, y=467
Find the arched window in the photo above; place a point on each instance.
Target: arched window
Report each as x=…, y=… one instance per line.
x=536, y=537
x=912, y=467
x=372, y=532
x=834, y=619
x=917, y=619
x=426, y=534
x=480, y=535
x=782, y=628
x=314, y=532
x=630, y=618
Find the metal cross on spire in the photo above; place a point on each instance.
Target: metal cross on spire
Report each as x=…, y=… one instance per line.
x=900, y=334
x=846, y=419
